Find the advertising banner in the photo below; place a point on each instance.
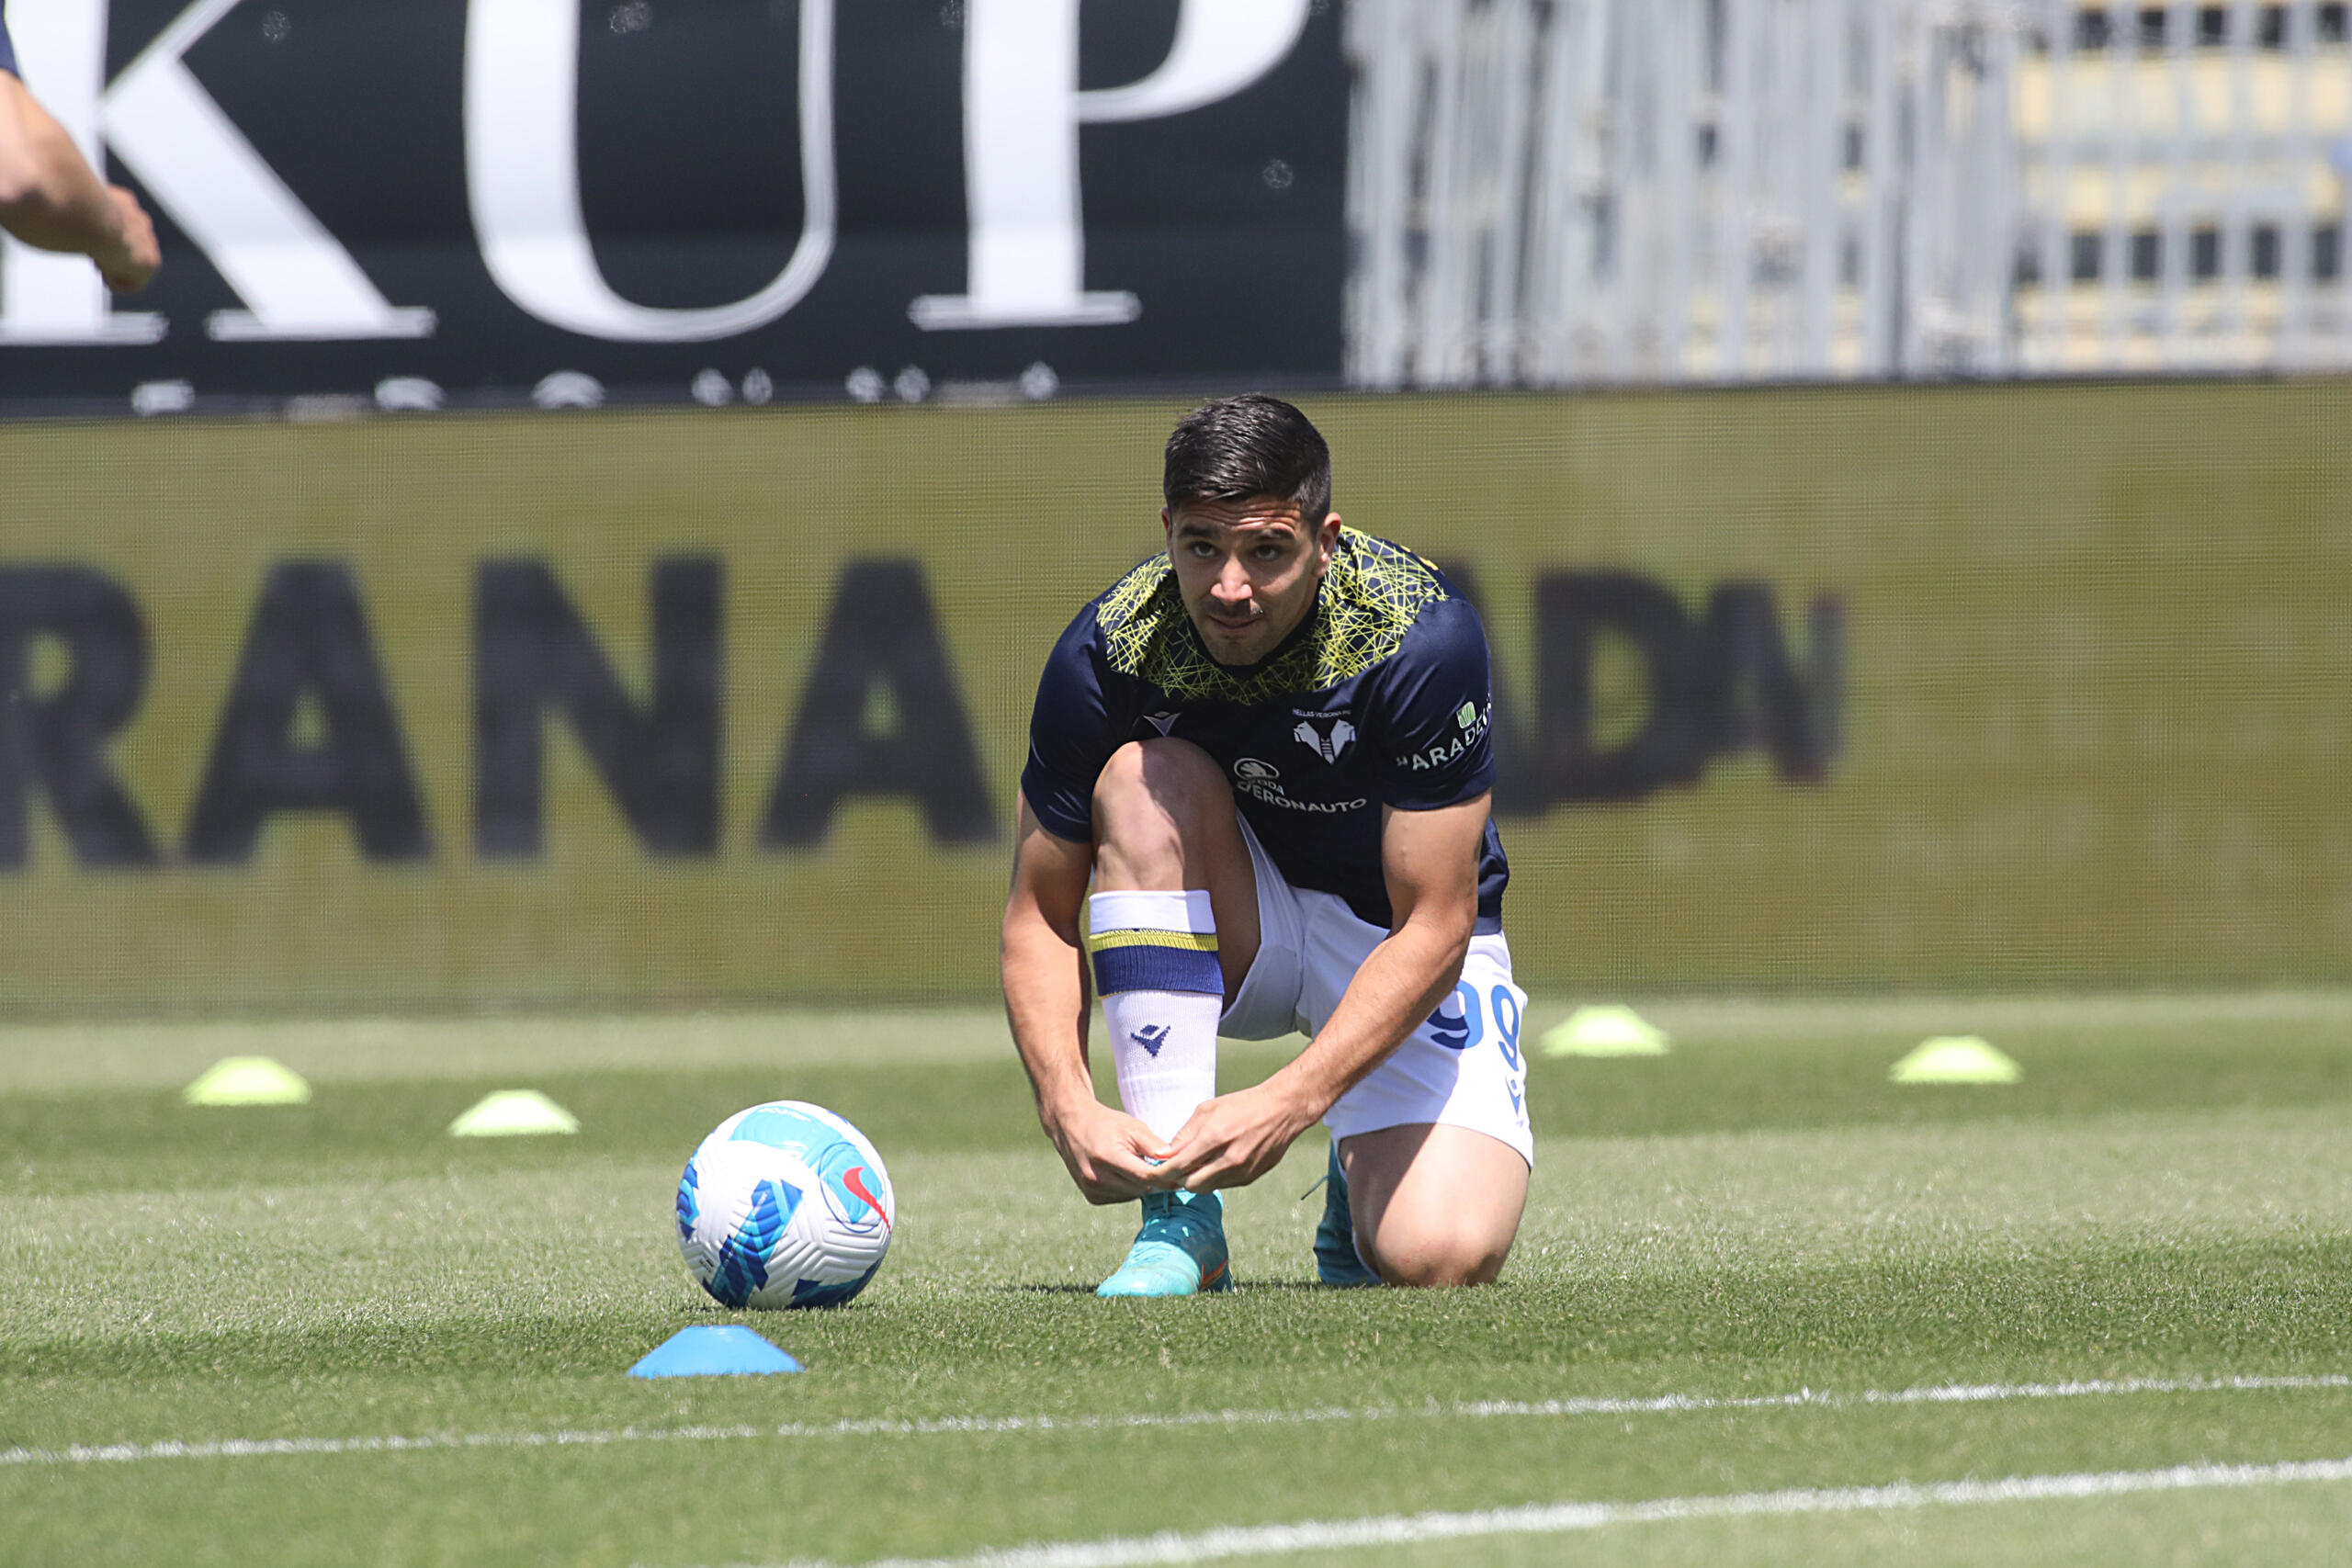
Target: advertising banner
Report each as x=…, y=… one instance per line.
x=446, y=202
x=1795, y=690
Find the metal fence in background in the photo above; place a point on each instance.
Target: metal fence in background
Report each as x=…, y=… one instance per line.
x=1551, y=192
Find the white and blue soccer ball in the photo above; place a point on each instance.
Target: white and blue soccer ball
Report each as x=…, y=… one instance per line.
x=785, y=1205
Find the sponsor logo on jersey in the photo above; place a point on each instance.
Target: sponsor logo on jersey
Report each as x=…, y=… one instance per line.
x=1273, y=795
x=1472, y=720
x=1162, y=722
x=1256, y=778
x=1325, y=734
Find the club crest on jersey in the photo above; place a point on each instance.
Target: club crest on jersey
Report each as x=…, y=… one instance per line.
x=1325, y=734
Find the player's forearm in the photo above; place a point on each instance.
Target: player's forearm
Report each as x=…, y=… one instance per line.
x=1401, y=982
x=1046, y=1003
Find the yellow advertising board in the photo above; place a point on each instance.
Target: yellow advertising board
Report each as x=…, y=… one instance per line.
x=1797, y=690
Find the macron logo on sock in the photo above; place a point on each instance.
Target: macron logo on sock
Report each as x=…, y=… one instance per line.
x=1151, y=1037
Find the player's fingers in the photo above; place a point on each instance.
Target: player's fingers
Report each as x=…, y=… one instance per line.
x=1185, y=1135
x=1167, y=1175
x=1204, y=1135
x=1215, y=1166
x=1107, y=1173
x=1133, y=1137
x=1239, y=1168
x=1183, y=1167
x=1147, y=1146
x=1105, y=1187
x=1213, y=1160
x=1119, y=1158
x=1126, y=1166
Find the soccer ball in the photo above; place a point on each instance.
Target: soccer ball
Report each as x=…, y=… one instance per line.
x=785, y=1205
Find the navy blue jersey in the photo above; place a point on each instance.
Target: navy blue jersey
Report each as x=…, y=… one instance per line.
x=1382, y=696
x=8, y=49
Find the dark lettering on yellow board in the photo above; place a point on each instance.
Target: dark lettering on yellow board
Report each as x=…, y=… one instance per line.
x=1716, y=687
x=881, y=633
x=56, y=740
x=308, y=725
x=532, y=653
x=308, y=639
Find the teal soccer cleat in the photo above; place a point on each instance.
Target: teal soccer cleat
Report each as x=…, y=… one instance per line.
x=1336, y=1259
x=1179, y=1252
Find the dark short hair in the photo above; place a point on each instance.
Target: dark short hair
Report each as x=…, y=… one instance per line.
x=1245, y=447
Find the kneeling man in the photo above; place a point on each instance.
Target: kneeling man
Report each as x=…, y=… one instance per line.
x=1267, y=750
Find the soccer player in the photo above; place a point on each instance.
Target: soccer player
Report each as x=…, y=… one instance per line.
x=1267, y=750
x=51, y=199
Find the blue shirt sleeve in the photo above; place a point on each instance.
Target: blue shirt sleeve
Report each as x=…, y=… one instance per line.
x=1072, y=732
x=1432, y=722
x=8, y=49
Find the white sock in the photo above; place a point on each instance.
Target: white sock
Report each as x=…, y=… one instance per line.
x=1156, y=968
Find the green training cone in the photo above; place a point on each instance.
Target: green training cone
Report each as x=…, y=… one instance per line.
x=248, y=1081
x=1956, y=1058
x=514, y=1113
x=1605, y=1031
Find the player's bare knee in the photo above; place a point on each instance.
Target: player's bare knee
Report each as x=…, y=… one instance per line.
x=1435, y=1261
x=1150, y=798
x=1175, y=774
x=1426, y=1237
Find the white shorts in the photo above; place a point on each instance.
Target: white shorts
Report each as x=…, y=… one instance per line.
x=1461, y=1067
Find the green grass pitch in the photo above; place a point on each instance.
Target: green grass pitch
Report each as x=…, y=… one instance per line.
x=2167, y=1196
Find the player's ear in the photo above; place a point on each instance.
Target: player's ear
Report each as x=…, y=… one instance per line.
x=1167, y=525
x=1326, y=539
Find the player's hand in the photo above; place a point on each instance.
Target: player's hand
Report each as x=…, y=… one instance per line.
x=1111, y=1155
x=136, y=256
x=1234, y=1139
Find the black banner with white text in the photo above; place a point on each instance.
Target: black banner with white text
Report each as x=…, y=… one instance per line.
x=453, y=202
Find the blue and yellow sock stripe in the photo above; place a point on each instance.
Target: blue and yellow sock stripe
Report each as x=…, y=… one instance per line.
x=1156, y=961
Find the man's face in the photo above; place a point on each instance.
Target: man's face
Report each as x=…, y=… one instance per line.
x=1248, y=570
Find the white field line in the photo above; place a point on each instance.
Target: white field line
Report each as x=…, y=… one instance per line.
x=1558, y=1518
x=1670, y=1403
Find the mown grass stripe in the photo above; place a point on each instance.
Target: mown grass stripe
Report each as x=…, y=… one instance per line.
x=938, y=1426
x=1558, y=1518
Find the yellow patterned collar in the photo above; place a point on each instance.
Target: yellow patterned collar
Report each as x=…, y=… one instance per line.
x=1368, y=601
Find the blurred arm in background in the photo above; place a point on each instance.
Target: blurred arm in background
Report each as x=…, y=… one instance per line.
x=50, y=197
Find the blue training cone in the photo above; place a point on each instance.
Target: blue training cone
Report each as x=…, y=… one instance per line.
x=715, y=1351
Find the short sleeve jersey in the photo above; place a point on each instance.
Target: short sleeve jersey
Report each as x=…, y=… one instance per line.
x=1382, y=696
